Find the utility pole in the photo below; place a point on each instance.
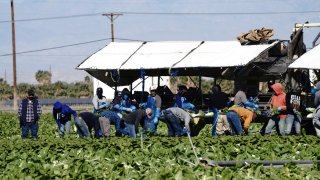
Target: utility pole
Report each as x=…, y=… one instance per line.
x=14, y=59
x=112, y=17
x=5, y=75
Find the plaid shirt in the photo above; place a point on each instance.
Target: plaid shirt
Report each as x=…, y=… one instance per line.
x=30, y=113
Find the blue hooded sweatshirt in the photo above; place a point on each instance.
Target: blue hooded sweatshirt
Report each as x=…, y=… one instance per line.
x=317, y=96
x=62, y=113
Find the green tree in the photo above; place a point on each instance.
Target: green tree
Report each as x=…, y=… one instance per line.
x=6, y=91
x=87, y=79
x=43, y=77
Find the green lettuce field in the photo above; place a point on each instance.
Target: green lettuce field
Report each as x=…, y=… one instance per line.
x=160, y=157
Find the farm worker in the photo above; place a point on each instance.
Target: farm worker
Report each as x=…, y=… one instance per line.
x=91, y=122
x=181, y=101
x=62, y=114
x=237, y=116
x=241, y=99
x=269, y=84
x=154, y=103
x=270, y=92
x=110, y=117
x=317, y=95
x=135, y=118
x=217, y=101
x=123, y=102
x=278, y=110
x=29, y=114
x=99, y=101
x=176, y=119
x=223, y=126
x=294, y=107
x=100, y=104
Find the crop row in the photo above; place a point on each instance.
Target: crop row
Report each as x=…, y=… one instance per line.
x=153, y=157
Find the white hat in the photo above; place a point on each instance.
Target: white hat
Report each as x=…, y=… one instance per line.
x=153, y=87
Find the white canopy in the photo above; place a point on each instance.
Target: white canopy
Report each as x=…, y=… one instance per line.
x=222, y=54
x=309, y=60
x=111, y=56
x=157, y=58
x=159, y=55
x=177, y=54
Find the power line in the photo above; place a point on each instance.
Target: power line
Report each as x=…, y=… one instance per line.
x=70, y=45
x=221, y=13
x=166, y=13
x=56, y=47
x=52, y=18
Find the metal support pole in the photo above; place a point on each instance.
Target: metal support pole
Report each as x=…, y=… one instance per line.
x=130, y=87
x=200, y=89
x=142, y=89
x=116, y=88
x=159, y=80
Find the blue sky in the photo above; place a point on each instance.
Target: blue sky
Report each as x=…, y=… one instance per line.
x=40, y=34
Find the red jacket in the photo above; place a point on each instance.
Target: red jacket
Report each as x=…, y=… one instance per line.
x=279, y=99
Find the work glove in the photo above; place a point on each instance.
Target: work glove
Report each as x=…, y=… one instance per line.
x=251, y=105
x=188, y=133
x=61, y=131
x=155, y=120
x=309, y=109
x=188, y=130
x=120, y=115
x=143, y=105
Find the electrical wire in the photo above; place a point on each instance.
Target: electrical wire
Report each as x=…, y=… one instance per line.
x=52, y=18
x=220, y=13
x=56, y=47
x=166, y=13
x=69, y=45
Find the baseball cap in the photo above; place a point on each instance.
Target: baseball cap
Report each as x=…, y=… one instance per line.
x=153, y=87
x=30, y=92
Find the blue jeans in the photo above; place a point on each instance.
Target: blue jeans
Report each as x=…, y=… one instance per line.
x=33, y=126
x=65, y=128
x=82, y=129
x=149, y=125
x=235, y=123
x=131, y=130
x=290, y=120
x=272, y=123
x=214, y=121
x=173, y=124
x=316, y=125
x=117, y=124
